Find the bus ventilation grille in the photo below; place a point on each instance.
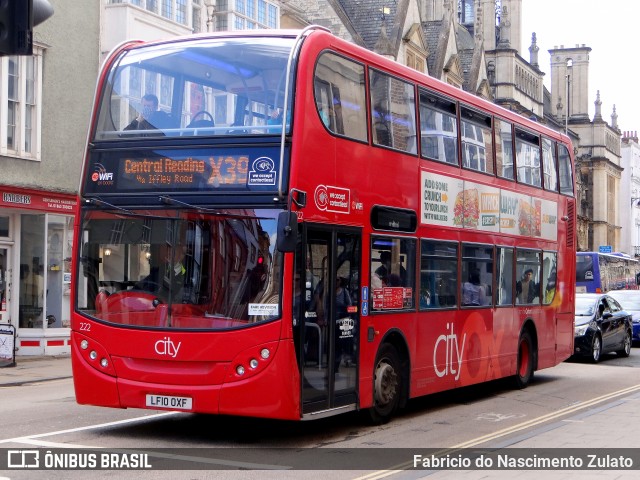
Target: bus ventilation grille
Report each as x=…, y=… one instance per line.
x=571, y=228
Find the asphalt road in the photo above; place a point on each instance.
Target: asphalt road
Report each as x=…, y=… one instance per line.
x=493, y=415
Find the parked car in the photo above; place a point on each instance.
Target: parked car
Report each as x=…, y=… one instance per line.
x=601, y=326
x=630, y=301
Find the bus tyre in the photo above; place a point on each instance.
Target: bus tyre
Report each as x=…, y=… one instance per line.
x=387, y=384
x=526, y=360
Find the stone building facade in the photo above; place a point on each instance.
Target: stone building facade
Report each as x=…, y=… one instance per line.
x=45, y=103
x=476, y=45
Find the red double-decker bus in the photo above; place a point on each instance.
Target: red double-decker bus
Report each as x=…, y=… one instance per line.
x=282, y=224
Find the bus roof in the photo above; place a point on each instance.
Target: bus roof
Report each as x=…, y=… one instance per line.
x=372, y=58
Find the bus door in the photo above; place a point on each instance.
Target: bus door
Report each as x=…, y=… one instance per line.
x=328, y=269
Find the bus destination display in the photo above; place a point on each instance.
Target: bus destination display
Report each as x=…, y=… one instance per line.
x=193, y=170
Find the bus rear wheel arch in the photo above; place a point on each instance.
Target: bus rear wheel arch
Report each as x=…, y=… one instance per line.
x=527, y=359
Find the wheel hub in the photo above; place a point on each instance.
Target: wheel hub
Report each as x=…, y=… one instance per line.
x=386, y=384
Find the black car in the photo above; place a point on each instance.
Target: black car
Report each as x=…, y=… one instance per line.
x=630, y=301
x=601, y=326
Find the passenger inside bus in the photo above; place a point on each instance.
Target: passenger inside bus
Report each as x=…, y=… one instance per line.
x=527, y=288
x=473, y=293
x=149, y=118
x=386, y=273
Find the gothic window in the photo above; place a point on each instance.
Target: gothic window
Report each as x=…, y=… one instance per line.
x=415, y=61
x=465, y=12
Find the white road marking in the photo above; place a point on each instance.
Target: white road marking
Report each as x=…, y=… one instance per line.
x=90, y=427
x=34, y=440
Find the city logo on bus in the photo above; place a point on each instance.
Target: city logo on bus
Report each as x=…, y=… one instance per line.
x=332, y=199
x=453, y=351
x=167, y=347
x=101, y=175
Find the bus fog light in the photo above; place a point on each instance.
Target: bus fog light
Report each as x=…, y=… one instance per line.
x=84, y=344
x=264, y=353
x=240, y=370
x=93, y=355
x=104, y=362
x=253, y=363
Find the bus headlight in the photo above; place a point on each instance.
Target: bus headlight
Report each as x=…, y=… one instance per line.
x=252, y=361
x=93, y=354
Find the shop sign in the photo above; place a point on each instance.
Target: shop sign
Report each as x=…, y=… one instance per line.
x=38, y=202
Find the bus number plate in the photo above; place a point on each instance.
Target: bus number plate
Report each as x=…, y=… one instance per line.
x=165, y=401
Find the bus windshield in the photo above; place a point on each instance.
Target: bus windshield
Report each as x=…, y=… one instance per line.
x=201, y=87
x=193, y=270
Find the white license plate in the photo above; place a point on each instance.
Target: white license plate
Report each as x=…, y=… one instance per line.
x=165, y=401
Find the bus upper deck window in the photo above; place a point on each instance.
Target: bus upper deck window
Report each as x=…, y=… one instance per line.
x=340, y=96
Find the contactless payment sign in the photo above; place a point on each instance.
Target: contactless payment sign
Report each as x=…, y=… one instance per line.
x=332, y=199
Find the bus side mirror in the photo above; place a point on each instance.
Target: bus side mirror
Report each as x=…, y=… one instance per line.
x=287, y=231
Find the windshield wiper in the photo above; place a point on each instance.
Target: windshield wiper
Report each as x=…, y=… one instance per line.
x=172, y=201
x=102, y=203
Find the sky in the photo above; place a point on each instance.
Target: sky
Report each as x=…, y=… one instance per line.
x=611, y=29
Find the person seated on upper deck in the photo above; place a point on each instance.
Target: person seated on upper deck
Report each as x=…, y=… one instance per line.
x=150, y=118
x=275, y=119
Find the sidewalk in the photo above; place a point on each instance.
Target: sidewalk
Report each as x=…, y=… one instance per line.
x=35, y=369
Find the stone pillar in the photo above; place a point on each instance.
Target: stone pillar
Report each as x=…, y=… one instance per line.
x=488, y=24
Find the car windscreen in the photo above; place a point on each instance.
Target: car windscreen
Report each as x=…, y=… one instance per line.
x=585, y=306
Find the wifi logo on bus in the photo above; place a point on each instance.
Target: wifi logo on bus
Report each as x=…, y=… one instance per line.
x=101, y=174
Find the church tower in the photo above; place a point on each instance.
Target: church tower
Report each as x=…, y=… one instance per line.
x=488, y=23
x=570, y=83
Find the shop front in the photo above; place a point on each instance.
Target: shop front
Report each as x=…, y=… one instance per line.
x=36, y=234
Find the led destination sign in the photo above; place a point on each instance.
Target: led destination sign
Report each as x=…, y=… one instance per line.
x=253, y=169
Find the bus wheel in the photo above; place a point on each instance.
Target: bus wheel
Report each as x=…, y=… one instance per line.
x=387, y=384
x=526, y=360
